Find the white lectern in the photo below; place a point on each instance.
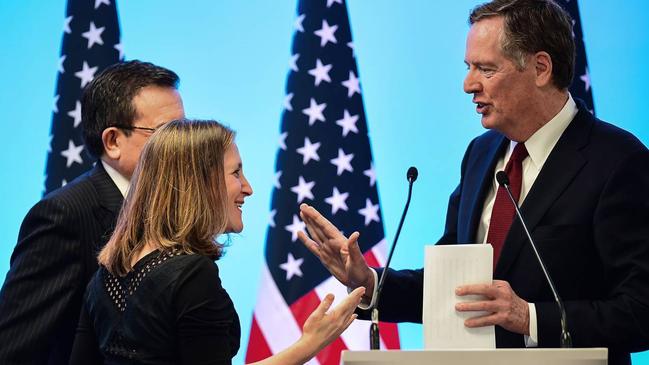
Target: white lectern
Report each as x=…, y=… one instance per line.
x=590, y=356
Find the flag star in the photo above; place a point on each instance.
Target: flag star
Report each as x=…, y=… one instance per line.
x=64, y=183
x=343, y=162
x=314, y=111
x=282, y=140
x=351, y=45
x=287, y=103
x=337, y=201
x=309, y=151
x=292, y=63
x=295, y=227
x=331, y=2
x=292, y=266
x=73, y=153
x=61, y=60
x=348, y=123
x=93, y=35
x=76, y=113
x=371, y=174
x=586, y=79
x=320, y=72
x=276, y=183
x=370, y=212
x=120, y=48
x=352, y=85
x=99, y=2
x=298, y=23
x=55, y=107
x=271, y=218
x=86, y=74
x=49, y=148
x=326, y=33
x=66, y=24
x=303, y=189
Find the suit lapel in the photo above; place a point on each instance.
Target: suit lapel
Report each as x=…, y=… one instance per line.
x=110, y=198
x=478, y=179
x=561, y=167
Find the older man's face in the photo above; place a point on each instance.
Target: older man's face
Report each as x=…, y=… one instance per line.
x=502, y=93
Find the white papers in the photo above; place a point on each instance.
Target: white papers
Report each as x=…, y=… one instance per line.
x=447, y=267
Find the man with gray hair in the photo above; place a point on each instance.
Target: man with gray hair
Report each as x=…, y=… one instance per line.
x=582, y=184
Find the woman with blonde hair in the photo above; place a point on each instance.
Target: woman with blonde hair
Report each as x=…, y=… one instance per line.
x=157, y=297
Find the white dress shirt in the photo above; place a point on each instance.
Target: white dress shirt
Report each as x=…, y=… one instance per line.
x=119, y=180
x=538, y=146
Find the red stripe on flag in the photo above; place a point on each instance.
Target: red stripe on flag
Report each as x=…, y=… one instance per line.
x=303, y=307
x=330, y=355
x=258, y=349
x=371, y=259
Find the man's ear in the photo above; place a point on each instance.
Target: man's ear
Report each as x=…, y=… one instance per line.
x=112, y=139
x=543, y=67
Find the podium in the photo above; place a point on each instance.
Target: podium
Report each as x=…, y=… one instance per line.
x=583, y=356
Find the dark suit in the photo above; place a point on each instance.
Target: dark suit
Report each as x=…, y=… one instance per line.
x=588, y=211
x=51, y=265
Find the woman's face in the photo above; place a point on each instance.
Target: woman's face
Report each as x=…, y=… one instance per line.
x=237, y=188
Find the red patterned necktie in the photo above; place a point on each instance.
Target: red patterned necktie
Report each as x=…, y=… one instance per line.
x=503, y=211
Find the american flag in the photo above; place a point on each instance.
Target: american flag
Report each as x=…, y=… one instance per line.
x=324, y=159
x=91, y=42
x=580, y=87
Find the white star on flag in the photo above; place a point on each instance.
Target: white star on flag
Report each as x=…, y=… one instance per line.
x=586, y=79
x=94, y=35
x=55, y=107
x=314, y=111
x=292, y=62
x=99, y=2
x=370, y=212
x=320, y=72
x=276, y=183
x=371, y=174
x=66, y=25
x=73, y=153
x=282, y=140
x=343, y=162
x=348, y=123
x=61, y=60
x=298, y=23
x=331, y=2
x=295, y=227
x=351, y=45
x=303, y=189
x=86, y=74
x=309, y=151
x=326, y=33
x=287, y=103
x=352, y=85
x=120, y=48
x=337, y=201
x=76, y=113
x=292, y=267
x=271, y=218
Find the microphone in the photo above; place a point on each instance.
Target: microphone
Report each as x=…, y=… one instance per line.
x=411, y=175
x=565, y=340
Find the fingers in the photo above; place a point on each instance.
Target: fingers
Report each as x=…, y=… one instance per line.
x=310, y=244
x=488, y=290
x=324, y=306
x=321, y=224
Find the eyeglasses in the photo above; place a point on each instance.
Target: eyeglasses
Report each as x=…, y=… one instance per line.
x=130, y=128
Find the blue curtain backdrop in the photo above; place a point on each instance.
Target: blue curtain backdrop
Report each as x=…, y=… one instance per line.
x=232, y=58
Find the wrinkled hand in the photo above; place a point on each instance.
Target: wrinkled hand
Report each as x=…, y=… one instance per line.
x=506, y=309
x=339, y=254
x=324, y=325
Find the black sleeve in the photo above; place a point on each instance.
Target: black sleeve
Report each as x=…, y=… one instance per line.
x=41, y=296
x=204, y=316
x=85, y=350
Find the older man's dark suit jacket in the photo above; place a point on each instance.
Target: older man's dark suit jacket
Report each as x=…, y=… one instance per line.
x=51, y=265
x=588, y=212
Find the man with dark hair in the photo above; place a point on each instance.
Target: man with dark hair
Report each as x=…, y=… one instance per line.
x=582, y=184
x=61, y=235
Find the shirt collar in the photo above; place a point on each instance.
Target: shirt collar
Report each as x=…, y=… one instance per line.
x=541, y=143
x=119, y=180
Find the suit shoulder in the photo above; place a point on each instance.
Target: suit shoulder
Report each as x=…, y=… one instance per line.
x=615, y=139
x=78, y=194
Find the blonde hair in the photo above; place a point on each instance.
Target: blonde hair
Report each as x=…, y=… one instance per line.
x=177, y=199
